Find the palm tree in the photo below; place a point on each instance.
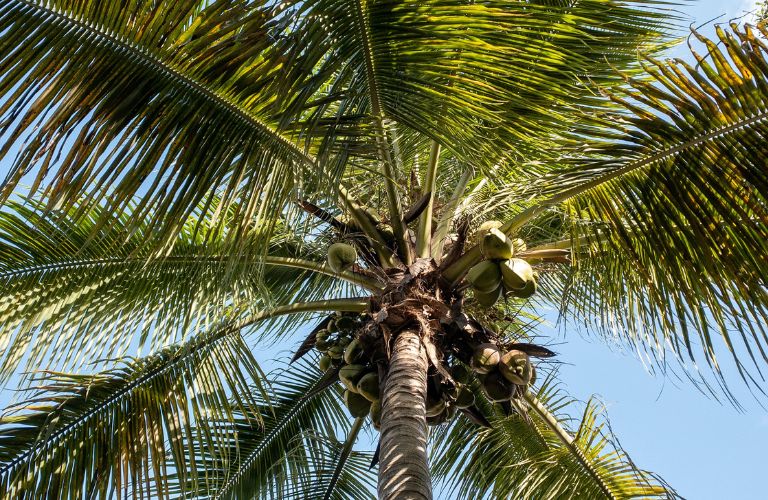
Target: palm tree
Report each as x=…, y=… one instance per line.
x=196, y=179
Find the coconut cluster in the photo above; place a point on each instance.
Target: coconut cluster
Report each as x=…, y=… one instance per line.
x=342, y=349
x=501, y=272
x=503, y=374
x=443, y=401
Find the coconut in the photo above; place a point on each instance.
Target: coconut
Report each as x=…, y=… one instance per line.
x=375, y=413
x=519, y=246
x=516, y=274
x=485, y=358
x=484, y=277
x=515, y=366
x=488, y=299
x=533, y=375
x=387, y=232
x=358, y=406
x=465, y=399
x=435, y=406
x=341, y=256
x=336, y=352
x=487, y=226
x=451, y=393
x=350, y=375
x=496, y=245
x=497, y=388
x=346, y=323
x=353, y=352
x=525, y=292
x=325, y=362
x=368, y=387
x=438, y=419
x=321, y=340
x=460, y=373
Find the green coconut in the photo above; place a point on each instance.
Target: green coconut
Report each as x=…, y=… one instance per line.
x=368, y=387
x=487, y=226
x=353, y=353
x=460, y=373
x=344, y=341
x=325, y=362
x=516, y=274
x=465, y=399
x=485, y=358
x=341, y=256
x=321, y=340
x=375, y=413
x=518, y=246
x=386, y=232
x=496, y=245
x=515, y=366
x=350, y=375
x=525, y=292
x=336, y=352
x=331, y=326
x=358, y=406
x=435, y=406
x=488, y=299
x=438, y=419
x=346, y=323
x=497, y=388
x=533, y=375
x=484, y=277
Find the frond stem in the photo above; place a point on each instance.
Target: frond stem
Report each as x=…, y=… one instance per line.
x=424, y=234
x=343, y=456
x=388, y=172
x=314, y=390
x=565, y=437
x=289, y=262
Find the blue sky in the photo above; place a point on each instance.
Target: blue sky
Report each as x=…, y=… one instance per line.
x=705, y=450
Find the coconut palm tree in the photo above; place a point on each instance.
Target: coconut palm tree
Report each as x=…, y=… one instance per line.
x=398, y=188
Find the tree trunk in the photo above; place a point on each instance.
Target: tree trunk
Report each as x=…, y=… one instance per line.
x=403, y=466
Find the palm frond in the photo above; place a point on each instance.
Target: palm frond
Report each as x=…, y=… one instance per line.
x=495, y=94
x=295, y=453
x=74, y=292
x=168, y=102
x=670, y=222
x=95, y=435
x=521, y=456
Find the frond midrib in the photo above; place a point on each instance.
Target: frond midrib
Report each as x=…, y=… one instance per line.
x=312, y=392
x=144, y=56
x=188, y=259
x=525, y=216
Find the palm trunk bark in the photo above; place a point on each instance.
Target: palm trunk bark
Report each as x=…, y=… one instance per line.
x=403, y=466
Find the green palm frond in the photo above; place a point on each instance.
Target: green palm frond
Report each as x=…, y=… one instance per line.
x=170, y=102
x=295, y=453
x=123, y=429
x=73, y=292
x=494, y=91
x=669, y=222
x=521, y=456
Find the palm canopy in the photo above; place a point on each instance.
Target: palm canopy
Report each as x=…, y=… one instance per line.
x=157, y=151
